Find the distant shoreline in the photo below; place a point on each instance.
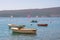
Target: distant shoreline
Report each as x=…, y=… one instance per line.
x=47, y=12
x=31, y=17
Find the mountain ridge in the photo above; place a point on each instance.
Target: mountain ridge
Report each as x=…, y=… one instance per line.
x=46, y=12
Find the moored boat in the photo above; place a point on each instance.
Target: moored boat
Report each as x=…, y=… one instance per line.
x=14, y=25
x=34, y=21
x=42, y=24
x=24, y=30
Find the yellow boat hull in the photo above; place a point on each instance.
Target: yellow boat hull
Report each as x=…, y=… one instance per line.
x=24, y=30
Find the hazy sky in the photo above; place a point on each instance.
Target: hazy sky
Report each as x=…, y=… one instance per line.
x=27, y=4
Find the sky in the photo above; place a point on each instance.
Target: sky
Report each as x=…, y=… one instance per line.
x=28, y=4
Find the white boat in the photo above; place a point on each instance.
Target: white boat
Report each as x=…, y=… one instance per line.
x=24, y=30
x=11, y=16
x=36, y=16
x=14, y=25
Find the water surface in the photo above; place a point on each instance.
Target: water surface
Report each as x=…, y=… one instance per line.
x=51, y=32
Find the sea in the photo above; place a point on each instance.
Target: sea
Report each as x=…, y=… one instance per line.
x=50, y=32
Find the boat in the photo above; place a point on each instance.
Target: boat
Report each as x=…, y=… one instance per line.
x=36, y=16
x=14, y=25
x=24, y=30
x=34, y=21
x=11, y=16
x=42, y=24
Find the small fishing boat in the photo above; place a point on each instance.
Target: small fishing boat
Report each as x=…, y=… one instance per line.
x=11, y=16
x=24, y=30
x=42, y=24
x=14, y=25
x=34, y=21
x=36, y=16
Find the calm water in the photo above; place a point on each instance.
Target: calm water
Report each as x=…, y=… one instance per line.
x=51, y=32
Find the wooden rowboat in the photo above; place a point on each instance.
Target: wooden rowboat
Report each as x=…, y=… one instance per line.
x=42, y=24
x=24, y=30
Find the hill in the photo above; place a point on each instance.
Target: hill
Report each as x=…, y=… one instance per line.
x=46, y=12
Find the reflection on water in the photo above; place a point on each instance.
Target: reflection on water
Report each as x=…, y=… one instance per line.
x=19, y=36
x=15, y=33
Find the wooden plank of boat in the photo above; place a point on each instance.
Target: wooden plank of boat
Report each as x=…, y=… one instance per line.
x=42, y=24
x=24, y=30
